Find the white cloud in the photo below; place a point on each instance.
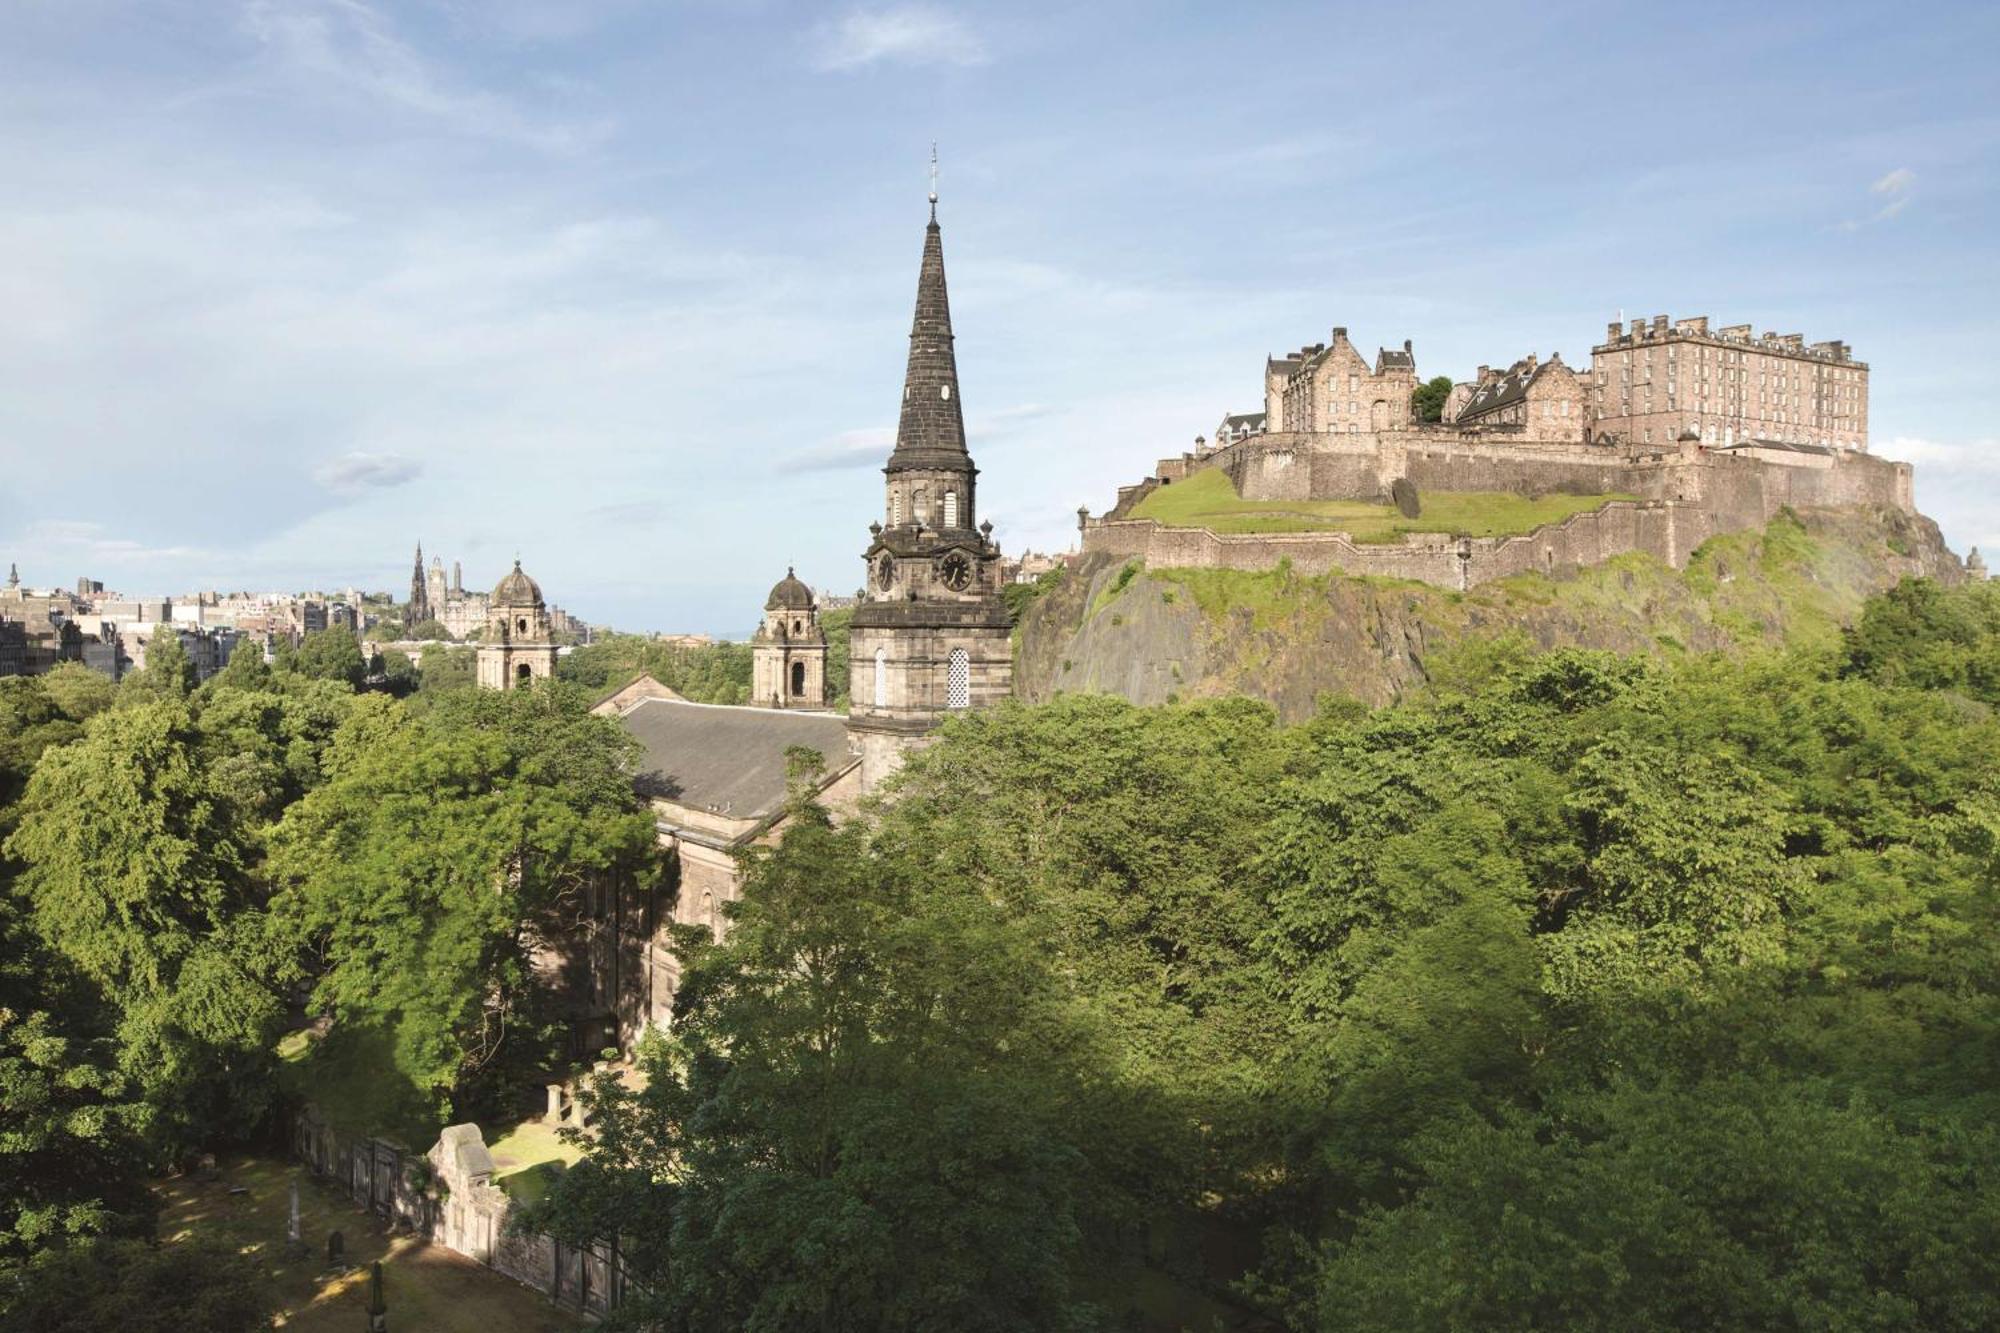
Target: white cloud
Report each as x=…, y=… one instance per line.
x=352, y=47
x=1894, y=187
x=850, y=448
x=1965, y=456
x=902, y=34
x=1896, y=182
x=358, y=471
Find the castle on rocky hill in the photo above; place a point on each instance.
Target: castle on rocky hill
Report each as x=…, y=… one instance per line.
x=1695, y=432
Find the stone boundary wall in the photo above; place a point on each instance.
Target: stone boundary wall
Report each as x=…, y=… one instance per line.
x=447, y=1196
x=1688, y=495
x=1668, y=530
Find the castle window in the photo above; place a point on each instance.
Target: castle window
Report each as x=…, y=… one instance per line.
x=881, y=677
x=958, y=680
x=951, y=509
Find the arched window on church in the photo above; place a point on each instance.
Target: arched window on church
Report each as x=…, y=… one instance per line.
x=707, y=910
x=881, y=677
x=951, y=509
x=920, y=505
x=798, y=678
x=958, y=680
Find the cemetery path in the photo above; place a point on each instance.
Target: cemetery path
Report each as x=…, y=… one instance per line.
x=245, y=1205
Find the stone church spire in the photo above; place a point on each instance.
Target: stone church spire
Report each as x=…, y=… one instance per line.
x=931, y=433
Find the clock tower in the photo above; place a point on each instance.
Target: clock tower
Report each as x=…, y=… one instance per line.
x=932, y=635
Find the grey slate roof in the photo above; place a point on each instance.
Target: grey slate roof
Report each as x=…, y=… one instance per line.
x=730, y=761
x=1255, y=419
x=1508, y=389
x=1385, y=359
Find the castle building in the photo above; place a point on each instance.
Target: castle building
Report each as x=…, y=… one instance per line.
x=788, y=651
x=932, y=634
x=1329, y=388
x=1662, y=382
x=1544, y=399
x=517, y=649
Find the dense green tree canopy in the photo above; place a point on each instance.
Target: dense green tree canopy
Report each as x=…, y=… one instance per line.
x=1427, y=399
x=426, y=868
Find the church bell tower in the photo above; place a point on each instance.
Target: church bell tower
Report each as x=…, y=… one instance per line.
x=932, y=635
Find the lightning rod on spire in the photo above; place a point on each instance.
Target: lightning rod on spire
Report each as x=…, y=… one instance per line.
x=934, y=180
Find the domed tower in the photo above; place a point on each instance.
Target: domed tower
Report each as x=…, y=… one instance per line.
x=517, y=649
x=932, y=634
x=788, y=651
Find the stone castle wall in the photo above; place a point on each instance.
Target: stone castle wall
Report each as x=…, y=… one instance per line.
x=1686, y=495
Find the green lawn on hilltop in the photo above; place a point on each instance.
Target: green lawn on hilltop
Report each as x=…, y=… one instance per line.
x=1209, y=500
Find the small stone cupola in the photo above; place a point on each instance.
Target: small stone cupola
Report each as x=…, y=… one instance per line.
x=518, y=648
x=788, y=651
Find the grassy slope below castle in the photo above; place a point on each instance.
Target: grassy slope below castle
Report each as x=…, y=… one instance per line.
x=1155, y=635
x=1209, y=500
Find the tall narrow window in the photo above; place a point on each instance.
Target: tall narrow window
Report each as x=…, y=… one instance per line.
x=881, y=677
x=895, y=508
x=958, y=680
x=951, y=509
x=920, y=505
x=798, y=679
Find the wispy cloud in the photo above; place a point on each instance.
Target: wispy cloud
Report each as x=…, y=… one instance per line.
x=359, y=471
x=1964, y=456
x=900, y=34
x=849, y=449
x=356, y=48
x=64, y=539
x=1894, y=190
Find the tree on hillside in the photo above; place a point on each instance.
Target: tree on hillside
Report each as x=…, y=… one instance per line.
x=133, y=874
x=78, y=692
x=870, y=1114
x=448, y=669
x=422, y=876
x=428, y=630
x=333, y=654
x=168, y=673
x=136, y=1288
x=1427, y=399
x=245, y=669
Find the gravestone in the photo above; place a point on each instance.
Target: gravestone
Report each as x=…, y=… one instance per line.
x=1404, y=492
x=378, y=1309
x=295, y=1237
x=336, y=1250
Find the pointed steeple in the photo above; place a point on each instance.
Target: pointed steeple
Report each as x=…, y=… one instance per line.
x=931, y=433
x=14, y=573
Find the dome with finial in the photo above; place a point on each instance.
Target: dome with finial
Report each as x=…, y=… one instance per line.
x=1975, y=564
x=789, y=594
x=517, y=589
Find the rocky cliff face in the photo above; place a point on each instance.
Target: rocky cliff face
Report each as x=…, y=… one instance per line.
x=1153, y=635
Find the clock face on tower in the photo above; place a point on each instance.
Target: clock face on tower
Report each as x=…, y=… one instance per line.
x=885, y=572
x=955, y=571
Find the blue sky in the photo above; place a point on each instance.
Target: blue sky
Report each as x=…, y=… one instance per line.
x=625, y=287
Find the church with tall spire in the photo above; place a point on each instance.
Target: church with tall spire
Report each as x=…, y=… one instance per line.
x=932, y=634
